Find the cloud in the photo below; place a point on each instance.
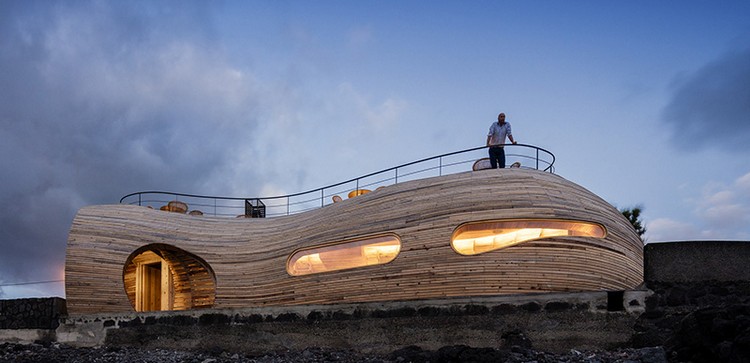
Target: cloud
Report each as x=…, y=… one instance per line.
x=710, y=108
x=666, y=229
x=743, y=184
x=725, y=207
x=102, y=99
x=334, y=135
x=720, y=211
x=108, y=98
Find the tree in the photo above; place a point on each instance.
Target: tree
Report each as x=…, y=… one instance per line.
x=633, y=215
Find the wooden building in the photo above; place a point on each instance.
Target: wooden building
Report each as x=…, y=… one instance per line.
x=476, y=233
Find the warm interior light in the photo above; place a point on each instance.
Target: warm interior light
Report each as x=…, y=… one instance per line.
x=359, y=253
x=476, y=238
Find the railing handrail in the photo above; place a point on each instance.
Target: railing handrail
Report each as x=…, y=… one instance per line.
x=549, y=168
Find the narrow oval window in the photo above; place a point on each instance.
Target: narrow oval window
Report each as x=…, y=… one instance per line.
x=479, y=237
x=341, y=256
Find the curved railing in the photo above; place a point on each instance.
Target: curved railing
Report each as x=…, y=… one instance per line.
x=529, y=156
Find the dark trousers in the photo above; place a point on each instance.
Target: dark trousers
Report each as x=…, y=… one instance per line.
x=497, y=157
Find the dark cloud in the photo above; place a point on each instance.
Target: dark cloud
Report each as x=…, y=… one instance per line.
x=101, y=99
x=711, y=107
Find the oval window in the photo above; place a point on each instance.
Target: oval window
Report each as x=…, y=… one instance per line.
x=341, y=256
x=479, y=237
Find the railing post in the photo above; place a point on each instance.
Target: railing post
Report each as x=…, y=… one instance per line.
x=287, y=205
x=537, y=158
x=321, y=197
x=139, y=200
x=440, y=166
x=396, y=182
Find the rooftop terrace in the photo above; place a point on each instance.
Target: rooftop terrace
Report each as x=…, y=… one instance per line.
x=522, y=155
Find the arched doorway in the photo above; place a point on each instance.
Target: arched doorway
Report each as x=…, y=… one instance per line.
x=164, y=277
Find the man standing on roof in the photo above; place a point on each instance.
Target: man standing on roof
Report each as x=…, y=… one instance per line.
x=496, y=138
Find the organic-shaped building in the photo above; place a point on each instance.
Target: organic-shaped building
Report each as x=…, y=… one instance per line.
x=473, y=233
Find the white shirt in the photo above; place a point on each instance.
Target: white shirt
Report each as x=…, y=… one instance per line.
x=498, y=133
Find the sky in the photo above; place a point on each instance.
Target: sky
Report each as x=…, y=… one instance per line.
x=643, y=103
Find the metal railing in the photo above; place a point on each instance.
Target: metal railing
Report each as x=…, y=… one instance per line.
x=530, y=157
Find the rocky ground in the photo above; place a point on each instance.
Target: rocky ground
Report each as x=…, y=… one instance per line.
x=62, y=353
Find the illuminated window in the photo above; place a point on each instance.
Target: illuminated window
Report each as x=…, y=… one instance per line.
x=358, y=253
x=480, y=237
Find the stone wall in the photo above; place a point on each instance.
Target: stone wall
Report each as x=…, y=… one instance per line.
x=40, y=313
x=697, y=261
x=549, y=322
x=707, y=321
x=700, y=307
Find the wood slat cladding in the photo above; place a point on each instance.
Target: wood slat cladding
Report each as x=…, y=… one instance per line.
x=248, y=255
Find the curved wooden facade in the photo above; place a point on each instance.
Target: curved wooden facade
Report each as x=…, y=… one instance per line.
x=233, y=263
